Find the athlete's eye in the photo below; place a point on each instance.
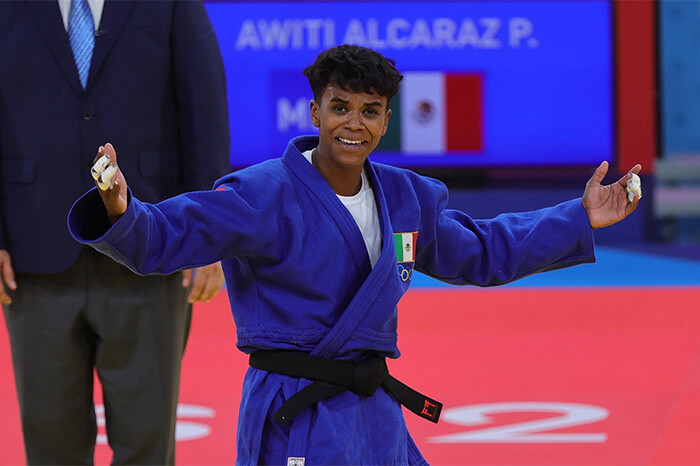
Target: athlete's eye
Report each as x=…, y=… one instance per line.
x=340, y=108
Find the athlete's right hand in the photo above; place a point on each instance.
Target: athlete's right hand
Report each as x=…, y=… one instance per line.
x=110, y=182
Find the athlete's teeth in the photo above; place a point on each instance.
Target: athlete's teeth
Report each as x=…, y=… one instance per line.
x=346, y=141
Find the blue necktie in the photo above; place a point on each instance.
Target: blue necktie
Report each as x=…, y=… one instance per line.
x=81, y=33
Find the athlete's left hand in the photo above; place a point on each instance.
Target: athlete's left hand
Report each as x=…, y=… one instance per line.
x=609, y=204
x=207, y=283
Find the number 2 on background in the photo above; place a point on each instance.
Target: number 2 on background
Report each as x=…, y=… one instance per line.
x=568, y=415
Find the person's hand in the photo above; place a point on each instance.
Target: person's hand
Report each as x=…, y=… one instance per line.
x=609, y=204
x=208, y=281
x=110, y=182
x=7, y=277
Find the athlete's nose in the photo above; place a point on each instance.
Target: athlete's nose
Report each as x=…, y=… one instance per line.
x=354, y=121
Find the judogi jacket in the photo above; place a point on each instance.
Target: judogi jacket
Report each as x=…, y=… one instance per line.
x=299, y=278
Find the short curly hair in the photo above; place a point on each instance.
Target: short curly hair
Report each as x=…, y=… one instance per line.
x=353, y=68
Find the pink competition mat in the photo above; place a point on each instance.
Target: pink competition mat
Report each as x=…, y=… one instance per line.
x=541, y=375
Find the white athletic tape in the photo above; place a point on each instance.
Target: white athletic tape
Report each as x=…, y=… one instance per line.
x=104, y=182
x=634, y=186
x=99, y=166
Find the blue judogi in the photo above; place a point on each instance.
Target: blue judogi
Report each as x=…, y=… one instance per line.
x=299, y=278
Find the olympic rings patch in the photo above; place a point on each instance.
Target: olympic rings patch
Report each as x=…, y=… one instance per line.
x=405, y=271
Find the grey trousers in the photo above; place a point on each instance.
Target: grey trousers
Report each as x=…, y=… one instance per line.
x=97, y=315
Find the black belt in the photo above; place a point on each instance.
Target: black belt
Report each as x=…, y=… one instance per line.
x=333, y=377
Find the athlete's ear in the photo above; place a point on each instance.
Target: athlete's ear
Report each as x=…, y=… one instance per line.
x=313, y=111
x=386, y=122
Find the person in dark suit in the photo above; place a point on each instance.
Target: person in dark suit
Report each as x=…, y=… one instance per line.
x=153, y=82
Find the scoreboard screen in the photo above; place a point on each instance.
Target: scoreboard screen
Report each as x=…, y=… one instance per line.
x=486, y=84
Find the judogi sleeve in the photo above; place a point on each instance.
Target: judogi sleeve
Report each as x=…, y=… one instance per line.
x=186, y=231
x=457, y=249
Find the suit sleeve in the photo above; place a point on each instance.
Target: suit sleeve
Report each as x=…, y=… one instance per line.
x=4, y=25
x=3, y=244
x=200, y=90
x=457, y=249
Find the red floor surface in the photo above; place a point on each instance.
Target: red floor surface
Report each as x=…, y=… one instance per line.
x=599, y=376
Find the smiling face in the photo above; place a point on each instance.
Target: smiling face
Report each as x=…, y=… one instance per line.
x=350, y=126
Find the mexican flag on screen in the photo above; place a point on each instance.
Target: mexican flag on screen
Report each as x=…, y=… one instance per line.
x=436, y=113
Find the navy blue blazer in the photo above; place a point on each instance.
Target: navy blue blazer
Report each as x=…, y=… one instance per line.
x=156, y=90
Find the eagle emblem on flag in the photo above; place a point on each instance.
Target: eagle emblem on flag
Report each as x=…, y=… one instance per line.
x=405, y=246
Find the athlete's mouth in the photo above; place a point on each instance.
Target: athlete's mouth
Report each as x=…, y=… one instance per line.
x=350, y=141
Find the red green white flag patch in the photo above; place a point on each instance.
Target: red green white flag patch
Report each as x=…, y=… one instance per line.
x=405, y=245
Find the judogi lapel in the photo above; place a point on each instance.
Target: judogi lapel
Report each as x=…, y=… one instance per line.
x=362, y=301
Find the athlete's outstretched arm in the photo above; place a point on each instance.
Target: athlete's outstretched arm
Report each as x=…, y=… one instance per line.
x=111, y=183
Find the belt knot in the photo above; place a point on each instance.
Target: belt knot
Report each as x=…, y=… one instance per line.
x=368, y=375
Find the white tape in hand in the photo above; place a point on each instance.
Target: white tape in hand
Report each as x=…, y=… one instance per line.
x=103, y=171
x=99, y=167
x=634, y=186
x=104, y=183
